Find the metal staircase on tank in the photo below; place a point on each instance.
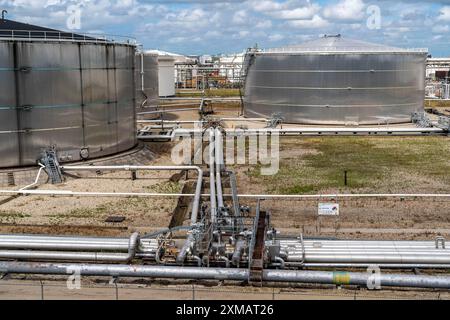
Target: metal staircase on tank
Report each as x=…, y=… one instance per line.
x=50, y=161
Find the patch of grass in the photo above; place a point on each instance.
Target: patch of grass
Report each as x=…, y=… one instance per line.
x=437, y=104
x=12, y=216
x=82, y=213
x=165, y=187
x=370, y=162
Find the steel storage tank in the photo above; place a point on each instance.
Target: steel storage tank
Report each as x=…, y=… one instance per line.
x=335, y=81
x=68, y=92
x=147, y=80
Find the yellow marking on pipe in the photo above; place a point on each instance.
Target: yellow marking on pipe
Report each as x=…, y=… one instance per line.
x=341, y=278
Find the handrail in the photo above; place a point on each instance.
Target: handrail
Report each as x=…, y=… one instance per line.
x=50, y=35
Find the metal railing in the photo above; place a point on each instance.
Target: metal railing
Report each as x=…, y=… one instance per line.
x=343, y=49
x=54, y=35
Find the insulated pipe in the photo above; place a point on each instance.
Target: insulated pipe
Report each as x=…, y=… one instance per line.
x=226, y=260
x=142, y=81
x=314, y=131
x=380, y=258
x=311, y=277
x=341, y=196
x=367, y=265
x=166, y=111
x=338, y=130
x=44, y=245
x=219, y=163
x=67, y=193
x=77, y=256
x=36, y=181
x=185, y=249
x=212, y=182
x=359, y=279
x=280, y=261
x=199, y=99
x=24, y=237
x=196, y=203
x=133, y=246
x=63, y=256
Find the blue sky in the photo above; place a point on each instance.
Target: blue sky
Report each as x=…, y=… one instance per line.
x=227, y=26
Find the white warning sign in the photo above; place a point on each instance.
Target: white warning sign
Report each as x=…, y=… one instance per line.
x=328, y=209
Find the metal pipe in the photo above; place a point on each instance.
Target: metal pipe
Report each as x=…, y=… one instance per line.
x=68, y=193
x=322, y=131
x=367, y=265
x=339, y=196
x=133, y=246
x=243, y=196
x=227, y=261
x=339, y=130
x=187, y=248
x=46, y=245
x=311, y=277
x=36, y=181
x=166, y=111
x=372, y=259
x=199, y=99
x=199, y=261
x=280, y=261
x=219, y=163
x=63, y=256
x=212, y=182
x=133, y=243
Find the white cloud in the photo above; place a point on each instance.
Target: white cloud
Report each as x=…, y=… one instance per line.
x=241, y=34
x=276, y=37
x=266, y=5
x=300, y=13
x=444, y=14
x=348, y=10
x=441, y=29
x=266, y=24
x=316, y=22
x=240, y=17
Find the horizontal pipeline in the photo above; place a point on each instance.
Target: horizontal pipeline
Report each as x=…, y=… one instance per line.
x=311, y=277
x=190, y=195
x=317, y=130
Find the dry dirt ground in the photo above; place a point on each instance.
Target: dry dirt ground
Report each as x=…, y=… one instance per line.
x=39, y=288
x=87, y=215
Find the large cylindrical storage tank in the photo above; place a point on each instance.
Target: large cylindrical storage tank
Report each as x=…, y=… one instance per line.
x=147, y=80
x=77, y=96
x=335, y=81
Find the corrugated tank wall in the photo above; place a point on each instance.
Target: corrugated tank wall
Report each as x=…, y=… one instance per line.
x=67, y=95
x=147, y=80
x=336, y=88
